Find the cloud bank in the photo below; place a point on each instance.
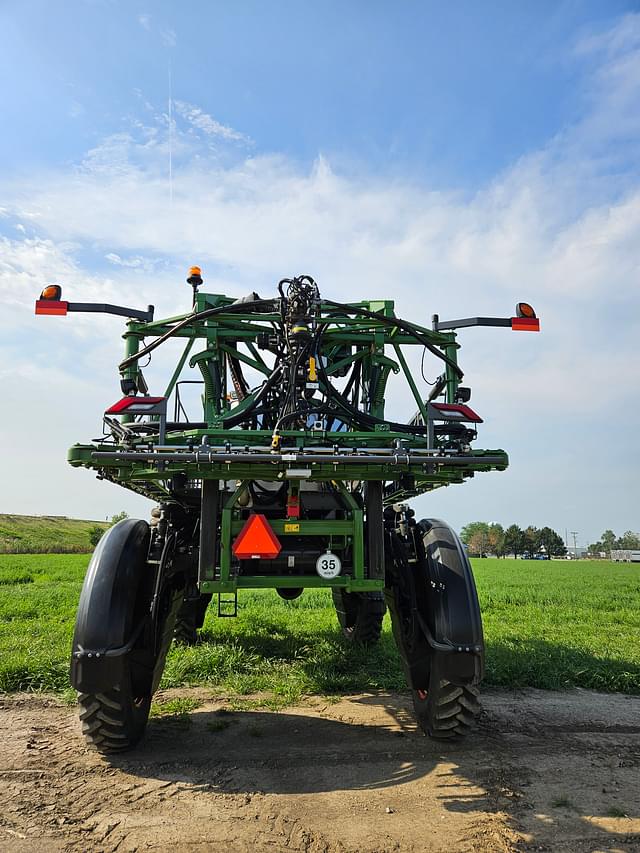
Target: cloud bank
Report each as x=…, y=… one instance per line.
x=559, y=229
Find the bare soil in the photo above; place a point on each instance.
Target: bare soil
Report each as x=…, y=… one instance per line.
x=544, y=771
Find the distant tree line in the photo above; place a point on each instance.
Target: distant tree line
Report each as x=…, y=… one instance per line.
x=482, y=539
x=610, y=542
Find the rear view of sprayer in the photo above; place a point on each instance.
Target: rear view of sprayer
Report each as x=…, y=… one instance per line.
x=291, y=475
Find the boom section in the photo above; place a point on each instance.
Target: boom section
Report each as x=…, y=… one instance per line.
x=292, y=394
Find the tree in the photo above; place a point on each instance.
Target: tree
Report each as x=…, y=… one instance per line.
x=95, y=534
x=608, y=540
x=629, y=540
x=531, y=543
x=119, y=516
x=496, y=540
x=476, y=537
x=552, y=542
x=514, y=540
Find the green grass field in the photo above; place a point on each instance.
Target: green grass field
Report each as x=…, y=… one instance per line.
x=45, y=534
x=547, y=624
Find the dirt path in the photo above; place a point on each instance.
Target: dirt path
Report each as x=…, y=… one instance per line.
x=545, y=771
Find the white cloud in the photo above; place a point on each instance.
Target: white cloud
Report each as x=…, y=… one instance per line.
x=145, y=21
x=135, y=262
x=168, y=37
x=200, y=120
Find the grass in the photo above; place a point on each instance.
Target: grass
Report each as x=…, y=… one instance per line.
x=45, y=534
x=614, y=811
x=221, y=721
x=561, y=623
x=563, y=802
x=547, y=624
x=181, y=707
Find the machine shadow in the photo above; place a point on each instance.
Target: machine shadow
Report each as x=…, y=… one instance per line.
x=369, y=743
x=302, y=752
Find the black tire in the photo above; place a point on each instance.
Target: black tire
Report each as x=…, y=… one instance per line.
x=190, y=619
x=437, y=625
x=360, y=615
x=113, y=721
x=446, y=711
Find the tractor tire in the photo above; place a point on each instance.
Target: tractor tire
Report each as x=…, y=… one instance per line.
x=437, y=626
x=190, y=619
x=447, y=711
x=113, y=721
x=360, y=615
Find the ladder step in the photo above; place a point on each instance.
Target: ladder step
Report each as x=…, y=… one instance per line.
x=228, y=606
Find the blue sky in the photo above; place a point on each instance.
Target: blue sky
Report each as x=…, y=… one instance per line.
x=444, y=93
x=458, y=157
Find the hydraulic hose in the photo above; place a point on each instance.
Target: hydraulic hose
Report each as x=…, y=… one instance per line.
x=196, y=317
x=399, y=324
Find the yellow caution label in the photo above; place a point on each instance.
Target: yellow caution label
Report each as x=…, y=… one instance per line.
x=291, y=528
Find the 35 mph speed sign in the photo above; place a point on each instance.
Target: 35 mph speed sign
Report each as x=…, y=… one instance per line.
x=328, y=566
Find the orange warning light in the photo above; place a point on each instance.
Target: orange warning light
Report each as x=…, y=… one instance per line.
x=256, y=540
x=523, y=309
x=52, y=291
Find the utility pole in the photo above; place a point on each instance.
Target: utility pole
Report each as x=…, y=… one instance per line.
x=574, y=533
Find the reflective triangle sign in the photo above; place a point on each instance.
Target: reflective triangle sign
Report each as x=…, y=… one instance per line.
x=256, y=540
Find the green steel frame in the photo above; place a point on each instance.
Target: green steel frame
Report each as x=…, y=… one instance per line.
x=416, y=464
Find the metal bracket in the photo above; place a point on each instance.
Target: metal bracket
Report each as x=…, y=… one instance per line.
x=469, y=321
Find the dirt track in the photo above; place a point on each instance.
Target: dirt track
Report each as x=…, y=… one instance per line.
x=545, y=771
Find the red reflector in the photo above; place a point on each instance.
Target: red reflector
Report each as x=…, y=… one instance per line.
x=457, y=412
x=131, y=405
x=525, y=324
x=293, y=507
x=256, y=540
x=51, y=306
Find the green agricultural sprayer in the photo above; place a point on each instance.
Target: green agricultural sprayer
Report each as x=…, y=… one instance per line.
x=292, y=477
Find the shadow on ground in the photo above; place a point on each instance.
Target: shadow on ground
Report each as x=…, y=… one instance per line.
x=528, y=788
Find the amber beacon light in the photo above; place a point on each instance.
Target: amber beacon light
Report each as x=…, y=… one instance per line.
x=525, y=319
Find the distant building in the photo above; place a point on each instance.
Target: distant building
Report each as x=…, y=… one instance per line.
x=577, y=553
x=624, y=555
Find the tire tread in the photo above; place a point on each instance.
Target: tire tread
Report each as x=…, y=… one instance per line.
x=449, y=711
x=107, y=722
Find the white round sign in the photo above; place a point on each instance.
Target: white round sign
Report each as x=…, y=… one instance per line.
x=328, y=565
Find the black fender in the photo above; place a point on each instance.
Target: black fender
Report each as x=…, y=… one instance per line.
x=434, y=607
x=453, y=613
x=110, y=641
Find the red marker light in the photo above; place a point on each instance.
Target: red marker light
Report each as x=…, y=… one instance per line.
x=51, y=306
x=256, y=540
x=525, y=324
x=456, y=412
x=135, y=406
